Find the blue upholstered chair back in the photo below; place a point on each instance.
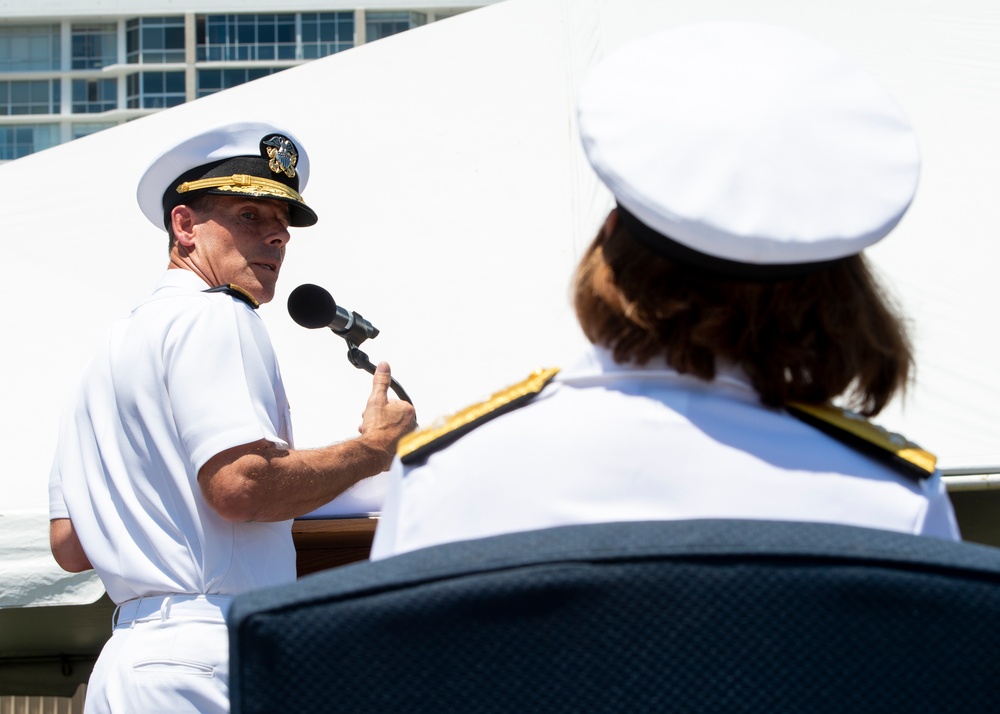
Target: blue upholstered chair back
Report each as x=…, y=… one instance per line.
x=687, y=616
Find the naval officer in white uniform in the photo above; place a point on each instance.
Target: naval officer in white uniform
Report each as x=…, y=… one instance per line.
x=729, y=306
x=176, y=477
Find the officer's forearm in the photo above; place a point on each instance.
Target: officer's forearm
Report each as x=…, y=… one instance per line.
x=260, y=482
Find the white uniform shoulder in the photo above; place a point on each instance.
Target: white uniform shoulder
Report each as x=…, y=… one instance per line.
x=421, y=443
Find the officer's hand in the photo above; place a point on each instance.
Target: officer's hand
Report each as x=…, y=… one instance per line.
x=385, y=421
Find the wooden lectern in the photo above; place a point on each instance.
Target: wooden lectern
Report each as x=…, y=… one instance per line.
x=324, y=543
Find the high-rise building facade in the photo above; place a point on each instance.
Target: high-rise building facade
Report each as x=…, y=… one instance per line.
x=67, y=71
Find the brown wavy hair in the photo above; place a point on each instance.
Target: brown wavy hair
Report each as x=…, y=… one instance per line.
x=808, y=339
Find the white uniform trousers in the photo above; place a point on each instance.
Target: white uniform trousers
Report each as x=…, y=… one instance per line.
x=168, y=654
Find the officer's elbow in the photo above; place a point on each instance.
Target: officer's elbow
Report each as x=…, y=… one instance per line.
x=232, y=481
x=229, y=494
x=66, y=547
x=234, y=506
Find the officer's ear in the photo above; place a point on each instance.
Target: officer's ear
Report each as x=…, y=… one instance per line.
x=183, y=220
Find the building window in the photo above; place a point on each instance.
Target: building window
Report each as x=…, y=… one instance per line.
x=29, y=97
x=326, y=33
x=25, y=48
x=211, y=81
x=246, y=37
x=384, y=24
x=155, y=90
x=92, y=96
x=20, y=140
x=154, y=40
x=94, y=46
x=82, y=130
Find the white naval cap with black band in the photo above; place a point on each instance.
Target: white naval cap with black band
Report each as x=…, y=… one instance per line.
x=747, y=149
x=249, y=158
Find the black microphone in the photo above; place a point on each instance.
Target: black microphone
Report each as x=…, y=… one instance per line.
x=313, y=307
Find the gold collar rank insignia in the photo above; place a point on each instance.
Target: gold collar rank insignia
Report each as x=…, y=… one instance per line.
x=281, y=154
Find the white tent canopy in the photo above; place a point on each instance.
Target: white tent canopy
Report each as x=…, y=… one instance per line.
x=454, y=201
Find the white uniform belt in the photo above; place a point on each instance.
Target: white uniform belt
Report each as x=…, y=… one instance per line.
x=164, y=607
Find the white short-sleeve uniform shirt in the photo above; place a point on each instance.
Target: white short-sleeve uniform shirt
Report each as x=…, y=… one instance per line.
x=605, y=442
x=186, y=375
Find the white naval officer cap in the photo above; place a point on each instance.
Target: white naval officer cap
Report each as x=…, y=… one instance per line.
x=248, y=158
x=747, y=149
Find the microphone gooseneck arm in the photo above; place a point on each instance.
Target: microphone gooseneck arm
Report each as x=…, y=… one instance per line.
x=360, y=360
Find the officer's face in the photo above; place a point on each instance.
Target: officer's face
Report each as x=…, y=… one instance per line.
x=242, y=241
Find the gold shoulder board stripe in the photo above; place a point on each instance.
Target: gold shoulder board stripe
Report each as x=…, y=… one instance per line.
x=237, y=292
x=857, y=431
x=414, y=447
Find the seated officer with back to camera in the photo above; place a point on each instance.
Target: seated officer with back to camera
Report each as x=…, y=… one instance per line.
x=728, y=304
